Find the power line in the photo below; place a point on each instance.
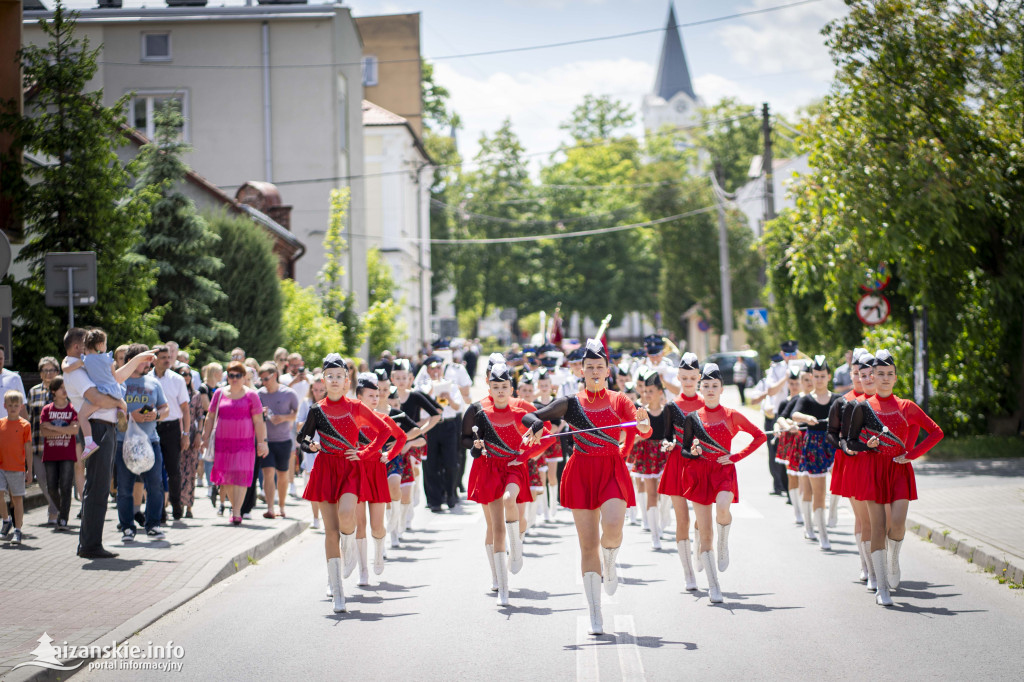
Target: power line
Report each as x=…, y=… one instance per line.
x=485, y=53
x=524, y=223
x=566, y=235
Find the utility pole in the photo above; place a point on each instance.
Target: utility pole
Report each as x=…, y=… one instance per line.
x=766, y=164
x=724, y=273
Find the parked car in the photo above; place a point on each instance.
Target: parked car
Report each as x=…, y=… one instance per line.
x=726, y=360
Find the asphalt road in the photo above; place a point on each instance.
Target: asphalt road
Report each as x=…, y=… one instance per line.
x=791, y=611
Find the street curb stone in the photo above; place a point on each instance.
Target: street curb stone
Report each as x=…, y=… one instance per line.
x=987, y=558
x=216, y=569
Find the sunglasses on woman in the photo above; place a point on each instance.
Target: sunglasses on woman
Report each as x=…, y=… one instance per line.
x=235, y=375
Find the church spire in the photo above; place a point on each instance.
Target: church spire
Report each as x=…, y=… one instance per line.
x=673, y=74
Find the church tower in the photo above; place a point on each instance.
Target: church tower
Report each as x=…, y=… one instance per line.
x=673, y=101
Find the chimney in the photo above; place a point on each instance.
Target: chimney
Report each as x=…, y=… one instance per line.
x=282, y=215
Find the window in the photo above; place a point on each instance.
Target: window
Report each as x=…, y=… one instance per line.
x=143, y=107
x=156, y=47
x=369, y=71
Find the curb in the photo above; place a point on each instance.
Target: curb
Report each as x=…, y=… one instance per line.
x=988, y=558
x=216, y=569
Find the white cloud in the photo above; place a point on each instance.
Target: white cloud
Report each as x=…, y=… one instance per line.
x=779, y=41
x=537, y=101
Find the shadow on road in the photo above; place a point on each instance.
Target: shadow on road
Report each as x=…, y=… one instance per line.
x=112, y=565
x=646, y=641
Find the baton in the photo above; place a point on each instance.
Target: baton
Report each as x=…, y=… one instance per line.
x=596, y=428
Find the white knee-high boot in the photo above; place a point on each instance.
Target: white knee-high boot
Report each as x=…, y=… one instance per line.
x=879, y=560
x=654, y=521
x=334, y=581
x=872, y=583
x=490, y=562
x=819, y=520
x=611, y=576
x=378, y=556
x=723, y=546
x=364, y=572
x=348, y=552
x=893, y=574
x=664, y=510
x=683, y=547
x=631, y=514
x=794, y=499
x=592, y=590
x=714, y=590
x=808, y=520
x=641, y=503
x=833, y=511
x=542, y=507
x=515, y=546
x=863, y=558
x=501, y=572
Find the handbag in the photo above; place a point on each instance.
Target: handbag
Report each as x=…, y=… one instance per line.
x=208, y=452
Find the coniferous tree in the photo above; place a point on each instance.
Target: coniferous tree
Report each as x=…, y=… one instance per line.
x=75, y=196
x=179, y=243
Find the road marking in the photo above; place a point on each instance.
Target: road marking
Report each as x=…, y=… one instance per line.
x=586, y=651
x=629, y=652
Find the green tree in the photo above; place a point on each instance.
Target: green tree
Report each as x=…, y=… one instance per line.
x=338, y=303
x=179, y=243
x=78, y=198
x=381, y=321
x=598, y=118
x=249, y=280
x=305, y=327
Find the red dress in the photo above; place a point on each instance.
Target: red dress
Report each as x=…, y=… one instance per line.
x=502, y=431
x=596, y=472
x=842, y=459
x=706, y=476
x=373, y=486
x=333, y=474
x=674, y=479
x=883, y=480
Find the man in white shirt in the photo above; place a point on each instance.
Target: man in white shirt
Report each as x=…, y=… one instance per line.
x=771, y=392
x=11, y=381
x=174, y=428
x=654, y=345
x=441, y=468
x=569, y=379
x=103, y=422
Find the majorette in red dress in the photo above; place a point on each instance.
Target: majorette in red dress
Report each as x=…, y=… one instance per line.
x=502, y=431
x=674, y=480
x=706, y=477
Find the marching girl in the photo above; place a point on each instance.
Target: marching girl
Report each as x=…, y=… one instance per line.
x=595, y=482
x=526, y=390
x=400, y=477
x=812, y=410
x=709, y=434
x=892, y=482
x=422, y=409
x=790, y=440
x=499, y=478
x=374, y=489
x=858, y=468
x=336, y=477
x=674, y=480
x=650, y=454
x=559, y=446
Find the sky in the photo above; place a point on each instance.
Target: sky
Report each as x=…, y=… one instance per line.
x=777, y=57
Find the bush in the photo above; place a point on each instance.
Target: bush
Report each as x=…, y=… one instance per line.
x=305, y=327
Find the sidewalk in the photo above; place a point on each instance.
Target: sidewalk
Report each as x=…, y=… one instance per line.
x=44, y=587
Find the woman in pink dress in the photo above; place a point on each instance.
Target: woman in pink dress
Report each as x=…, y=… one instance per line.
x=237, y=415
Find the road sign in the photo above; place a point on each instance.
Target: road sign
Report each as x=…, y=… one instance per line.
x=878, y=278
x=873, y=309
x=756, y=318
x=703, y=325
x=70, y=281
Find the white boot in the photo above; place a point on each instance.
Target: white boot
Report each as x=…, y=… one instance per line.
x=664, y=510
x=611, y=577
x=335, y=586
x=364, y=573
x=410, y=509
x=490, y=562
x=723, y=546
x=558, y=500
x=714, y=590
x=531, y=514
x=872, y=584
x=808, y=521
x=879, y=560
x=654, y=521
x=515, y=546
x=592, y=590
x=696, y=543
x=632, y=514
x=404, y=515
x=542, y=507
x=794, y=499
x=348, y=552
x=833, y=511
x=863, y=559
x=893, y=575
x=378, y=556
x=683, y=547
x=819, y=520
x=501, y=574
x=641, y=504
